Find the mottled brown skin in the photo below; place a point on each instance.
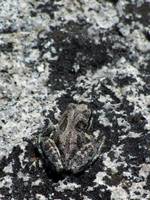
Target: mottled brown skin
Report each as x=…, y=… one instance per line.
x=71, y=147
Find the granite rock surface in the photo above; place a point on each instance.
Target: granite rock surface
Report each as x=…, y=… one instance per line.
x=54, y=52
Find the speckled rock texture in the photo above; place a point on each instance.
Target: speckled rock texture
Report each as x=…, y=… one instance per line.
x=53, y=52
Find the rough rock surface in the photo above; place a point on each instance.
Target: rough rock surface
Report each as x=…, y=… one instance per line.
x=55, y=52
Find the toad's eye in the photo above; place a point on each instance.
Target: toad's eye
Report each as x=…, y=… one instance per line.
x=81, y=126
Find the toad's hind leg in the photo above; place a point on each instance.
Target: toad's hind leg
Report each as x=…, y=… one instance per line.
x=87, y=154
x=52, y=154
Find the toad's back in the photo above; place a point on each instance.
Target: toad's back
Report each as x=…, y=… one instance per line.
x=70, y=129
x=68, y=144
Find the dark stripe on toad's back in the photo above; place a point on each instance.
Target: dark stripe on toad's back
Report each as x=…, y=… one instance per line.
x=70, y=145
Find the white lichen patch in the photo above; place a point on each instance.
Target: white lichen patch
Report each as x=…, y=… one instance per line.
x=41, y=197
x=6, y=182
x=145, y=170
x=118, y=193
x=86, y=198
x=137, y=191
x=25, y=177
x=100, y=178
x=98, y=15
x=15, y=15
x=113, y=164
x=140, y=41
x=36, y=183
x=66, y=186
x=8, y=168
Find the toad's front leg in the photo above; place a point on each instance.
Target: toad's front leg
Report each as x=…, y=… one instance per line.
x=86, y=155
x=50, y=152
